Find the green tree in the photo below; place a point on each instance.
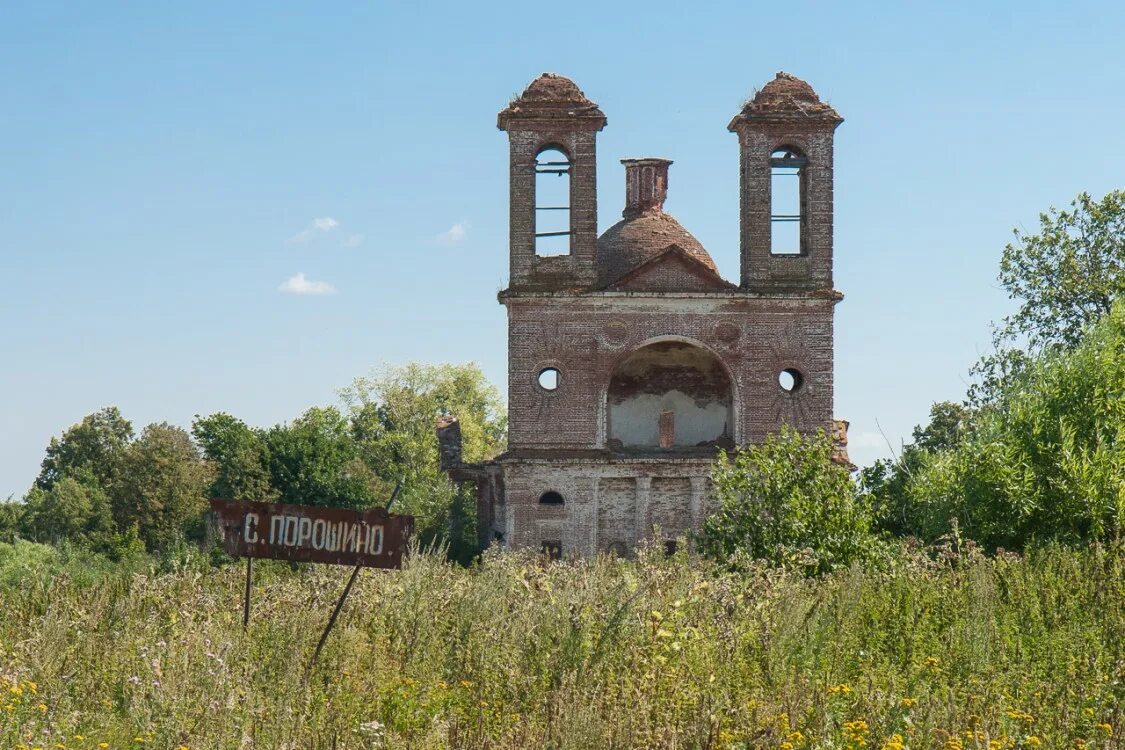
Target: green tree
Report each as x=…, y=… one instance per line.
x=393, y=415
x=162, y=487
x=787, y=502
x=239, y=456
x=94, y=445
x=1068, y=275
x=1045, y=459
x=73, y=508
x=316, y=460
x=886, y=482
x=1065, y=277
x=11, y=520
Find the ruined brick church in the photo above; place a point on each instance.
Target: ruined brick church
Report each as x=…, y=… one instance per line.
x=631, y=361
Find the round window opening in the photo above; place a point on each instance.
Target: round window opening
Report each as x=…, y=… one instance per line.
x=551, y=498
x=549, y=379
x=790, y=380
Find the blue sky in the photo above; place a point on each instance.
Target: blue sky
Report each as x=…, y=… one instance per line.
x=167, y=168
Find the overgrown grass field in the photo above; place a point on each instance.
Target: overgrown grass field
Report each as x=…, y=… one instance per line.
x=941, y=651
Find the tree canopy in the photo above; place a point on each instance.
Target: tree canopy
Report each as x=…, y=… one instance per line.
x=1067, y=275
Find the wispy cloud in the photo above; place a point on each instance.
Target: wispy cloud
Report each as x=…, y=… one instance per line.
x=352, y=240
x=454, y=234
x=318, y=226
x=299, y=284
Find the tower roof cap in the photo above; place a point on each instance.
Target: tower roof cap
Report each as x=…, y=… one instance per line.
x=551, y=96
x=786, y=97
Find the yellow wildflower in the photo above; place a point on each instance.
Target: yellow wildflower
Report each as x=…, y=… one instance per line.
x=894, y=742
x=908, y=702
x=1032, y=741
x=103, y=745
x=42, y=707
x=786, y=746
x=931, y=662
x=1106, y=728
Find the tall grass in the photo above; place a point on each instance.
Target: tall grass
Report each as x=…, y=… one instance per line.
x=960, y=652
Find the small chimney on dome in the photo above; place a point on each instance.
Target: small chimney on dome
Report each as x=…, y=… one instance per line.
x=646, y=186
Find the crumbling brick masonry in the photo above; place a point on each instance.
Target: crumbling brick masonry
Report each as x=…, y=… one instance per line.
x=630, y=360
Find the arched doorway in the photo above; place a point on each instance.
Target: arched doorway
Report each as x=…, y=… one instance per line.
x=669, y=395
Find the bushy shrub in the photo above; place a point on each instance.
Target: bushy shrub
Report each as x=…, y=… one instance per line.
x=787, y=502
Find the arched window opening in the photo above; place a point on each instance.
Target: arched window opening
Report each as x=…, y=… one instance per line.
x=551, y=498
x=787, y=201
x=552, y=203
x=669, y=395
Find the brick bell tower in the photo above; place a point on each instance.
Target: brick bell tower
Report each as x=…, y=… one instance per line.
x=555, y=118
x=631, y=361
x=785, y=136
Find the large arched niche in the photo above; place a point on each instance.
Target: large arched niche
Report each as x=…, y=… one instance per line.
x=669, y=394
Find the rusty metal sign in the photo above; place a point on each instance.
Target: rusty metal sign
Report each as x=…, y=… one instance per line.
x=370, y=538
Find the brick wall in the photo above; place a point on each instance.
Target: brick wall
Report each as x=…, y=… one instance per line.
x=585, y=337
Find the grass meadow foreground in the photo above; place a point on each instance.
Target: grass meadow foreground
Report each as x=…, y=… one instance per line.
x=951, y=652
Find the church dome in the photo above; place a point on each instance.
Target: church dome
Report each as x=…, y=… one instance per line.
x=646, y=231
x=632, y=242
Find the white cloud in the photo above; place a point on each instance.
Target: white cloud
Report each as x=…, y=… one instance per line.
x=454, y=234
x=324, y=224
x=300, y=285
x=353, y=240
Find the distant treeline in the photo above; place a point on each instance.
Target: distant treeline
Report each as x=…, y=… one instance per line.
x=104, y=487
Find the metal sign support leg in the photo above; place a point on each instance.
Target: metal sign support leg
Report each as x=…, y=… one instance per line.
x=246, y=596
x=332, y=619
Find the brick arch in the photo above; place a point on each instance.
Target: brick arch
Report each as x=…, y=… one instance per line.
x=791, y=141
x=553, y=144
x=607, y=376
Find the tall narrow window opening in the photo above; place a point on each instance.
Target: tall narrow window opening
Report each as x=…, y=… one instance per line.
x=552, y=203
x=787, y=204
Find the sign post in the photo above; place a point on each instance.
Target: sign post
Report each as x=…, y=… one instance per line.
x=370, y=538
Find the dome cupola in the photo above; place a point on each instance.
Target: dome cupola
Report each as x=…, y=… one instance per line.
x=646, y=230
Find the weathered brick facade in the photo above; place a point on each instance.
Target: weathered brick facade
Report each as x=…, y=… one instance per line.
x=659, y=361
